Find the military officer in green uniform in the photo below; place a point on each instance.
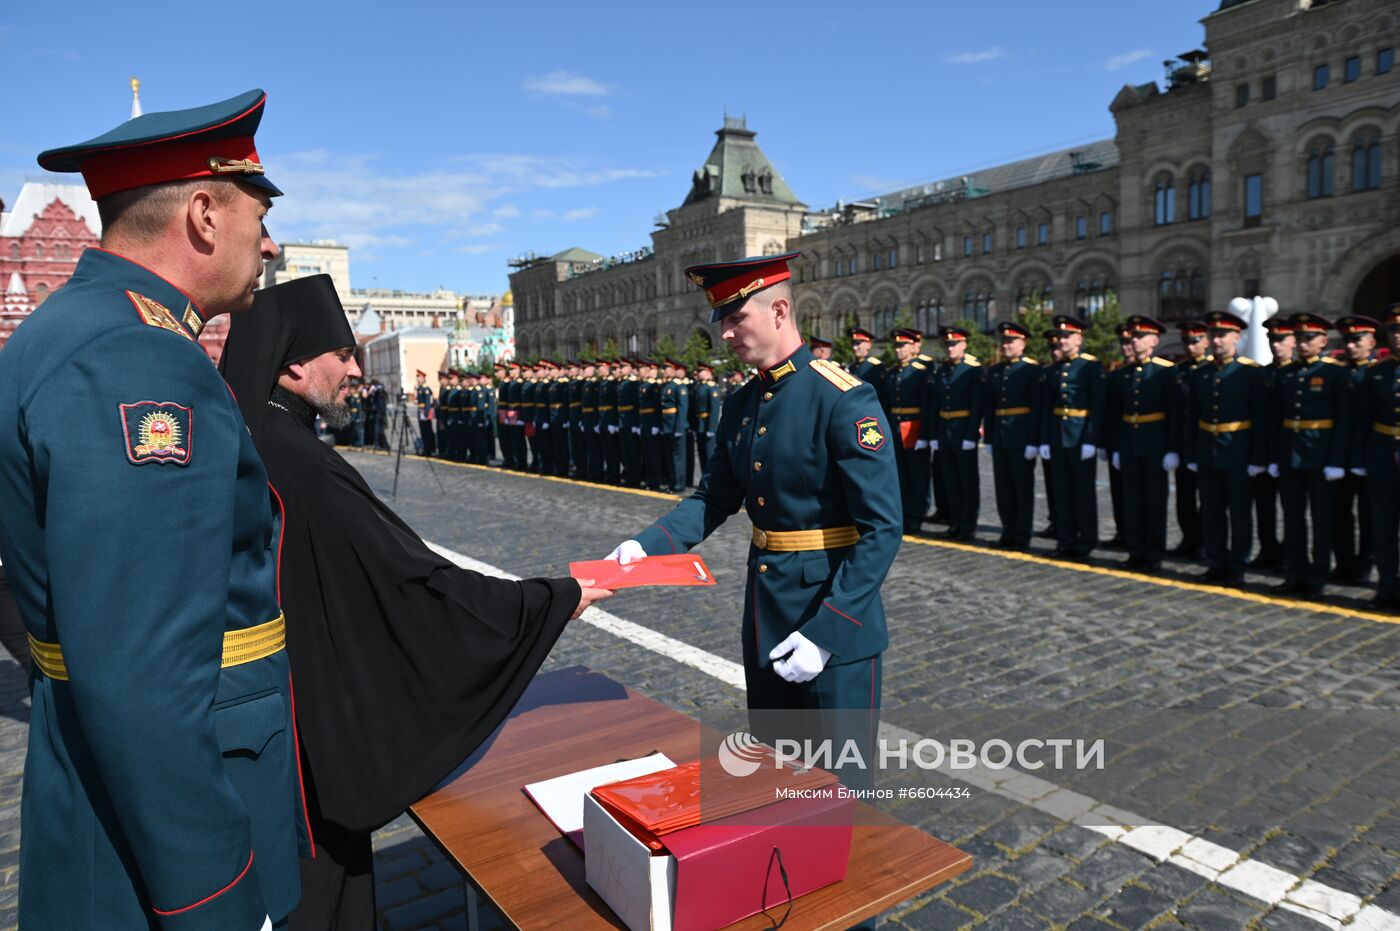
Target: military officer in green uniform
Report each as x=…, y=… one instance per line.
x=1312, y=408
x=903, y=395
x=1376, y=456
x=675, y=413
x=507, y=413
x=1072, y=426
x=821, y=348
x=1143, y=432
x=805, y=448
x=580, y=371
x=1224, y=444
x=649, y=417
x=141, y=543
x=1265, y=487
x=952, y=423
x=608, y=425
x=561, y=417
x=1351, y=529
x=863, y=365
x=446, y=413
x=1011, y=406
x=704, y=409
x=1188, y=495
x=629, y=393
x=425, y=405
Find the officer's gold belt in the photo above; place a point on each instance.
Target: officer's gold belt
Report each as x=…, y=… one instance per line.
x=1308, y=425
x=1389, y=429
x=797, y=541
x=1233, y=426
x=555, y=407
x=1154, y=417
x=469, y=410
x=626, y=407
x=604, y=407
x=703, y=415
x=905, y=411
x=1070, y=412
x=954, y=415
x=1011, y=411
x=668, y=410
x=648, y=410
x=240, y=646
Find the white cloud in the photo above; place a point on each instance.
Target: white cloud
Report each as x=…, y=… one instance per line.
x=1126, y=59
x=506, y=211
x=582, y=213
x=567, y=84
x=477, y=249
x=975, y=58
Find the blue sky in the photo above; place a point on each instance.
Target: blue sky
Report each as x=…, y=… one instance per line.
x=440, y=139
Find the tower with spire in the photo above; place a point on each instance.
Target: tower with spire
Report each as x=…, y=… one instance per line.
x=135, y=97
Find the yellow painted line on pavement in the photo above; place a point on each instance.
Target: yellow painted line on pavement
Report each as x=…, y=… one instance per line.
x=1235, y=593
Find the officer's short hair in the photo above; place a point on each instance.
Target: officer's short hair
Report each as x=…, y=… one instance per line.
x=145, y=212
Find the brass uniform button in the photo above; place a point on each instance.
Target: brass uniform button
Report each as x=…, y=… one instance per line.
x=762, y=567
x=761, y=501
x=762, y=430
x=767, y=395
x=758, y=466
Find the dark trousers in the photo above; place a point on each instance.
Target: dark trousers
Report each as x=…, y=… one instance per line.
x=940, y=488
x=612, y=457
x=425, y=432
x=1144, y=522
x=1226, y=522
x=631, y=457
x=561, y=437
x=1050, y=510
x=651, y=458
x=1383, y=489
x=1076, y=500
x=671, y=458
x=1351, y=526
x=337, y=887
x=1305, y=493
x=704, y=448
x=1115, y=499
x=835, y=706
x=593, y=443
x=536, y=444
x=1014, y=477
x=1188, y=508
x=579, y=435
x=1265, y=488
x=690, y=447
x=962, y=486
x=912, y=465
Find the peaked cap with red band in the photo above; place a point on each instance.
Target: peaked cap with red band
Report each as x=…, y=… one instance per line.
x=1064, y=323
x=214, y=141
x=860, y=335
x=906, y=335
x=1309, y=323
x=1141, y=323
x=1357, y=324
x=1192, y=328
x=1224, y=320
x=729, y=284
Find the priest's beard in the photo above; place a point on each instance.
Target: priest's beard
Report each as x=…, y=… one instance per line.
x=334, y=414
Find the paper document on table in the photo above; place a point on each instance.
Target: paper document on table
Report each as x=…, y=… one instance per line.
x=561, y=798
x=675, y=569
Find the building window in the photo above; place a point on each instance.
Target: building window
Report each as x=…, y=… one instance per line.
x=1385, y=60
x=1090, y=295
x=893, y=258
x=1322, y=163
x=1164, y=202
x=1352, y=70
x=1253, y=199
x=14, y=250
x=1020, y=237
x=1081, y=227
x=1106, y=223
x=928, y=316
x=1366, y=163
x=840, y=267
x=1181, y=294
x=853, y=265
x=986, y=243
x=919, y=254
x=1270, y=88
x=1320, y=75
x=41, y=293
x=938, y=251
x=1198, y=196
x=967, y=246
x=979, y=307
x=1042, y=234
x=38, y=250
x=878, y=260
x=1241, y=95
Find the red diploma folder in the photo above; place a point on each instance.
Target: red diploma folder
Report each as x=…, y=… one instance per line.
x=678, y=569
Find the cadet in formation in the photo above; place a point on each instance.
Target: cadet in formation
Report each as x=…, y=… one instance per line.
x=1012, y=416
x=902, y=392
x=952, y=423
x=1071, y=429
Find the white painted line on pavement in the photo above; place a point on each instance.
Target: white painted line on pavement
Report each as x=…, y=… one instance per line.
x=1309, y=898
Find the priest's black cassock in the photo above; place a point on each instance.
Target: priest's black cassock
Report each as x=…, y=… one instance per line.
x=402, y=662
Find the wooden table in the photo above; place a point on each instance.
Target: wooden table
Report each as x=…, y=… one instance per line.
x=573, y=719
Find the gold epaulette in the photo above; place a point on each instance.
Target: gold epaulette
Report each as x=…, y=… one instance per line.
x=1165, y=363
x=153, y=313
x=969, y=359
x=1331, y=361
x=835, y=374
x=918, y=365
x=874, y=360
x=1091, y=358
x=1028, y=359
x=924, y=357
x=1245, y=360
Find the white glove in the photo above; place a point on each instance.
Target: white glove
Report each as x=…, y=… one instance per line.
x=266, y=925
x=628, y=551
x=1032, y=452
x=1273, y=470
x=711, y=433
x=566, y=425
x=1116, y=461
x=921, y=444
x=612, y=428
x=1171, y=462
x=1332, y=473
x=1193, y=467
x=933, y=445
x=1045, y=451
x=805, y=662
x=1255, y=471
x=1358, y=471
x=545, y=425
x=1088, y=451
x=598, y=428
x=637, y=430
x=969, y=444
x=655, y=430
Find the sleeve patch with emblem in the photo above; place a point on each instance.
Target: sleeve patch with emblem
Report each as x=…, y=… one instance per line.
x=869, y=434
x=157, y=431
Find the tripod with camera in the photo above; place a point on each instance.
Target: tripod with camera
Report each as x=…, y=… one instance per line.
x=401, y=432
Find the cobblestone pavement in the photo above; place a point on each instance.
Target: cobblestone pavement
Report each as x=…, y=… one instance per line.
x=1264, y=727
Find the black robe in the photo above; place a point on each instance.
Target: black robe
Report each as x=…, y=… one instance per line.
x=403, y=663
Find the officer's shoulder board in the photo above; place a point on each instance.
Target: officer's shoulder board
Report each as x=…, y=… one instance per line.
x=874, y=360
x=918, y=365
x=1331, y=361
x=1028, y=359
x=1165, y=363
x=924, y=357
x=835, y=374
x=153, y=313
x=1245, y=360
x=1091, y=358
x=969, y=359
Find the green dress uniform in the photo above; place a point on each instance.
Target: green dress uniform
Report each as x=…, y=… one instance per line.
x=423, y=399
x=1312, y=409
x=487, y=436
x=870, y=370
x=903, y=398
x=609, y=428
x=704, y=408
x=162, y=752
x=590, y=465
x=629, y=395
x=1073, y=403
x=1351, y=527
x=674, y=402
x=1143, y=427
x=649, y=416
x=1012, y=400
x=1265, y=486
x=507, y=418
x=543, y=461
x=559, y=422
x=1376, y=448
x=578, y=452
x=447, y=419
x=1188, y=486
x=529, y=449
x=953, y=416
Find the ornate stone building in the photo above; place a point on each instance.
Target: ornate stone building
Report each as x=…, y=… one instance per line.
x=40, y=242
x=1268, y=162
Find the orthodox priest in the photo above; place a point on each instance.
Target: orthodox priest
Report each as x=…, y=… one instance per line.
x=403, y=663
